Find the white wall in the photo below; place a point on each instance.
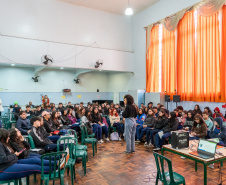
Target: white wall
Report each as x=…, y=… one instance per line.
x=15, y=79
x=65, y=23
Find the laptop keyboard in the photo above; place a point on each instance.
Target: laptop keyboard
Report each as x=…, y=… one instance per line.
x=204, y=156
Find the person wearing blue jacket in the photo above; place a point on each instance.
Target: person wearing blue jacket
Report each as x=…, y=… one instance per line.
x=140, y=120
x=218, y=131
x=23, y=124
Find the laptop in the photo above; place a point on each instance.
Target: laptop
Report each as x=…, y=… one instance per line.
x=206, y=149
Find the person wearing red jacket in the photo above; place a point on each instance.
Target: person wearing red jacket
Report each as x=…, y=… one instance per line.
x=45, y=99
x=217, y=110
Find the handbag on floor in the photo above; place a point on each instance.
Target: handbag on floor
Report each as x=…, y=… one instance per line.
x=114, y=136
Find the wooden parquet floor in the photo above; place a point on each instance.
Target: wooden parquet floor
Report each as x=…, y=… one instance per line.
x=111, y=166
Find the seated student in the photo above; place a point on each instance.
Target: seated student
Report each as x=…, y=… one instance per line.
x=115, y=122
x=64, y=118
x=180, y=109
x=85, y=121
x=31, y=105
x=140, y=120
x=150, y=104
x=170, y=125
x=199, y=128
x=17, y=143
x=104, y=109
x=118, y=108
x=29, y=112
x=183, y=117
x=38, y=111
x=54, y=119
x=147, y=125
x=217, y=110
x=161, y=107
x=40, y=140
x=197, y=110
x=16, y=113
x=218, y=131
x=60, y=107
x=70, y=116
x=9, y=167
x=189, y=121
x=68, y=104
x=155, y=110
x=48, y=109
x=100, y=110
x=49, y=126
x=207, y=109
x=43, y=131
x=207, y=120
x=23, y=124
x=98, y=120
x=158, y=106
x=159, y=124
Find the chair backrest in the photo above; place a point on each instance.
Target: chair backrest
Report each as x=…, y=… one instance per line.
x=54, y=170
x=159, y=159
x=83, y=136
x=71, y=132
x=7, y=125
x=67, y=141
x=30, y=141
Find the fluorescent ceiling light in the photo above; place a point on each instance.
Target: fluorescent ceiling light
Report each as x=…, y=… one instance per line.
x=12, y=64
x=61, y=68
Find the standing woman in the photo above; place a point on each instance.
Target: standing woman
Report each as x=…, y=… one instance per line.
x=130, y=115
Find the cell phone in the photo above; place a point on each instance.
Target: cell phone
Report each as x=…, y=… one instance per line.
x=22, y=150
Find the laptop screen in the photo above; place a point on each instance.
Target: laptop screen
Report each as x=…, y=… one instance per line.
x=207, y=146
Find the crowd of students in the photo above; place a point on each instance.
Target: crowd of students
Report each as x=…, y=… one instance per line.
x=157, y=123
x=46, y=124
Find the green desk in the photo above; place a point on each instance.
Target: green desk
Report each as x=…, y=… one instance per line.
x=185, y=153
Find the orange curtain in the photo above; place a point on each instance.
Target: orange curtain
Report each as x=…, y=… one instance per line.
x=207, y=64
x=186, y=56
x=152, y=62
x=168, y=62
x=223, y=59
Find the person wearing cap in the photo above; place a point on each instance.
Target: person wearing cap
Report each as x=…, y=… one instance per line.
x=50, y=128
x=43, y=131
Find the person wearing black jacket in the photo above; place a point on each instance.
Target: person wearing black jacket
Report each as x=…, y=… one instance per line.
x=170, y=125
x=38, y=111
x=129, y=114
x=10, y=168
x=39, y=139
x=98, y=120
x=50, y=128
x=159, y=124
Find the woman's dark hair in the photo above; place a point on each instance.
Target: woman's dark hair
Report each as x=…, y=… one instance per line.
x=197, y=107
x=68, y=111
x=94, y=110
x=62, y=112
x=208, y=109
x=152, y=112
x=190, y=111
x=173, y=116
x=141, y=110
x=4, y=134
x=129, y=99
x=198, y=116
x=53, y=115
x=86, y=113
x=164, y=116
x=13, y=135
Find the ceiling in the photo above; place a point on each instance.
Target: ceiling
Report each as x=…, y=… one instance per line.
x=114, y=6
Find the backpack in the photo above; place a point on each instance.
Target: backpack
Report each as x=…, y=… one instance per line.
x=114, y=136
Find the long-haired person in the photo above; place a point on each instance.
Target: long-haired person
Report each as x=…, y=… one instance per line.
x=170, y=125
x=197, y=110
x=140, y=120
x=115, y=122
x=199, y=128
x=129, y=114
x=207, y=109
x=96, y=117
x=10, y=167
x=159, y=124
x=189, y=121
